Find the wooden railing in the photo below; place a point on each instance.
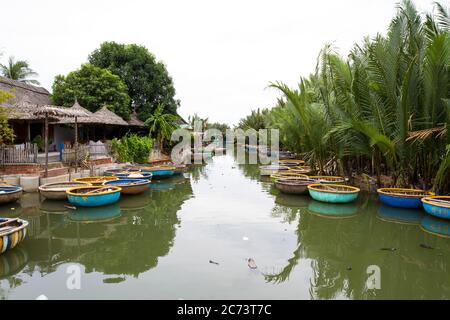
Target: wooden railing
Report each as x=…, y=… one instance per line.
x=20, y=153
x=68, y=154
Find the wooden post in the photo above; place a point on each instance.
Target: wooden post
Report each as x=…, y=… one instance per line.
x=46, y=144
x=28, y=131
x=76, y=144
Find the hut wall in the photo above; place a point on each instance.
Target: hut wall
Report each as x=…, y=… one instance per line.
x=63, y=134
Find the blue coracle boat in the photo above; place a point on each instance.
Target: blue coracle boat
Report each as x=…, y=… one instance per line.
x=402, y=198
x=134, y=175
x=93, y=196
x=438, y=206
x=160, y=171
x=332, y=193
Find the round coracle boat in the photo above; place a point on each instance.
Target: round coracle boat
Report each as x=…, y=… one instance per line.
x=57, y=190
x=93, y=196
x=12, y=232
x=403, y=198
x=438, y=206
x=130, y=186
x=272, y=169
x=329, y=179
x=293, y=185
x=332, y=193
x=95, y=181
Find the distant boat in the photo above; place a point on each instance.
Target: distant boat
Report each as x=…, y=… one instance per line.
x=402, y=198
x=287, y=174
x=10, y=193
x=130, y=186
x=333, y=193
x=57, y=190
x=293, y=185
x=112, y=172
x=438, y=206
x=291, y=162
x=93, y=196
x=12, y=232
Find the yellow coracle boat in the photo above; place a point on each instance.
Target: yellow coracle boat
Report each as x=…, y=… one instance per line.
x=301, y=169
x=96, y=181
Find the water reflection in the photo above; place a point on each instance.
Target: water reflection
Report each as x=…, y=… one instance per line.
x=436, y=226
x=111, y=239
x=399, y=215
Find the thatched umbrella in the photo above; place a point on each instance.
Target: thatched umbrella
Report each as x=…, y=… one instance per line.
x=46, y=112
x=109, y=117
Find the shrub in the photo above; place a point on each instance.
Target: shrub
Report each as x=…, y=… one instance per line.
x=132, y=148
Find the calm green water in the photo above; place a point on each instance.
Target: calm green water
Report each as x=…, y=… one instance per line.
x=159, y=245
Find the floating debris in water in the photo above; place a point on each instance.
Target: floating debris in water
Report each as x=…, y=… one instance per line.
x=388, y=249
x=425, y=246
x=213, y=262
x=349, y=268
x=245, y=238
x=70, y=207
x=13, y=208
x=252, y=263
x=42, y=297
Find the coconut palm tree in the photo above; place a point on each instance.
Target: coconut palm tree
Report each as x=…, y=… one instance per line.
x=18, y=70
x=161, y=124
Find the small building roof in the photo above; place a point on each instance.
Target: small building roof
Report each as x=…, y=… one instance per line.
x=108, y=117
x=27, y=111
x=24, y=93
x=135, y=122
x=89, y=118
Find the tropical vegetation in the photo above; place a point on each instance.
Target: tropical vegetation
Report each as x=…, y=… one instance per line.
x=147, y=79
x=161, y=124
x=132, y=148
x=93, y=87
x=383, y=110
x=18, y=70
x=6, y=132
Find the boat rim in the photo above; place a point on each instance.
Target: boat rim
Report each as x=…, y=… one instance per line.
x=317, y=187
x=93, y=179
x=47, y=185
x=142, y=182
x=328, y=177
x=15, y=189
x=441, y=205
x=24, y=224
x=70, y=191
x=385, y=191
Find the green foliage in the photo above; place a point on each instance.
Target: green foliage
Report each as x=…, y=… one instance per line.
x=220, y=126
x=40, y=142
x=6, y=132
x=132, y=148
x=384, y=109
x=161, y=124
x=93, y=87
x=147, y=79
x=18, y=70
x=256, y=120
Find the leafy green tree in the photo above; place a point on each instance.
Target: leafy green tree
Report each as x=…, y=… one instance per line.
x=6, y=132
x=93, y=87
x=256, y=120
x=18, y=70
x=161, y=124
x=220, y=126
x=147, y=79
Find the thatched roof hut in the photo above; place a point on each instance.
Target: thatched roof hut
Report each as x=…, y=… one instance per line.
x=27, y=111
x=24, y=93
x=109, y=117
x=135, y=122
x=89, y=118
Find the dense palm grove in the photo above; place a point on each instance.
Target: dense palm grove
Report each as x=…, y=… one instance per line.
x=384, y=110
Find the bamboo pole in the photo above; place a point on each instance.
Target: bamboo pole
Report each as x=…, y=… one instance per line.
x=76, y=144
x=46, y=144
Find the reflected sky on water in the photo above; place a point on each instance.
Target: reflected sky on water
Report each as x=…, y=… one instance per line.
x=160, y=244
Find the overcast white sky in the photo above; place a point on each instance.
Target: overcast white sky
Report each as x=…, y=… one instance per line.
x=220, y=54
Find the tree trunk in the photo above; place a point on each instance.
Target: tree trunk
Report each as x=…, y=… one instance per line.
x=76, y=144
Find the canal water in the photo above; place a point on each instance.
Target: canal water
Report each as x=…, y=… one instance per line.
x=190, y=237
